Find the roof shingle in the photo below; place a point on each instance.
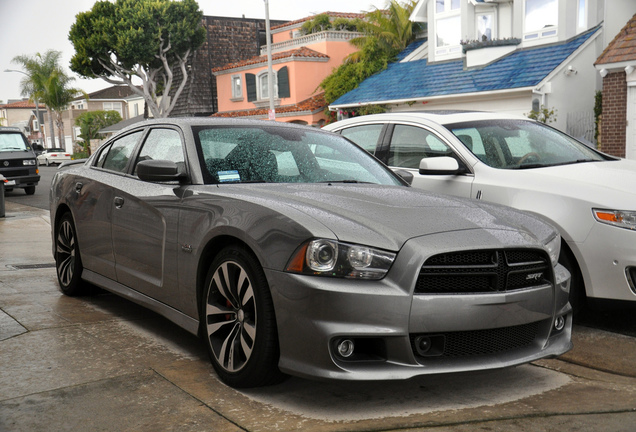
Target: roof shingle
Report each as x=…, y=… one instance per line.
x=623, y=46
x=302, y=52
x=418, y=79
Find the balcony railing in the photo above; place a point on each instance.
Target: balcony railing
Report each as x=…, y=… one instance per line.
x=325, y=36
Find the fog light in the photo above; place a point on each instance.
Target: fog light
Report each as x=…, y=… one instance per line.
x=345, y=348
x=559, y=323
x=423, y=344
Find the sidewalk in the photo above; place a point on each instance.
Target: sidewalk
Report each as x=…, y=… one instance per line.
x=101, y=363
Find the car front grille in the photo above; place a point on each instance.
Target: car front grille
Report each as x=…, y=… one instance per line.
x=484, y=271
x=478, y=342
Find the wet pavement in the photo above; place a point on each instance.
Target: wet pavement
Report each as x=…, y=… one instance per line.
x=102, y=363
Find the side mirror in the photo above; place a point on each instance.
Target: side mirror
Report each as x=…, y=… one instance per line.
x=158, y=171
x=407, y=176
x=443, y=165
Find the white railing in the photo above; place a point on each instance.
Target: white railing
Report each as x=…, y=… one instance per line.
x=329, y=36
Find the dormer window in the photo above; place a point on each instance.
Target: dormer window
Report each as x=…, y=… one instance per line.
x=541, y=19
x=485, y=26
x=447, y=27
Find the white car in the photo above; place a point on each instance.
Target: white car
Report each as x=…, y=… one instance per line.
x=53, y=156
x=512, y=160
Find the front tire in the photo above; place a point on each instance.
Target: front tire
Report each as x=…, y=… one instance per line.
x=239, y=325
x=67, y=258
x=578, y=299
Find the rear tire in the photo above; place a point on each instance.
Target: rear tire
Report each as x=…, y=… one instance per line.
x=68, y=262
x=238, y=321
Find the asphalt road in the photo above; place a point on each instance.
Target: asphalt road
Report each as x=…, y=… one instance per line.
x=616, y=318
x=40, y=199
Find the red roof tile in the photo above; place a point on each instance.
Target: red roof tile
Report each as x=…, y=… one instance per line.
x=313, y=104
x=623, y=47
x=21, y=104
x=302, y=52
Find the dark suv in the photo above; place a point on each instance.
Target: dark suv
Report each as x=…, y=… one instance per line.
x=17, y=161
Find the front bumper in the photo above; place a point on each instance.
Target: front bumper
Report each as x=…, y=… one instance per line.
x=384, y=318
x=607, y=260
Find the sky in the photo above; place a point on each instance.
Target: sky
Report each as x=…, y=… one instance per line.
x=28, y=27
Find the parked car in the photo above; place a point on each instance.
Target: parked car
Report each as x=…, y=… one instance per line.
x=53, y=156
x=293, y=251
x=17, y=161
x=512, y=160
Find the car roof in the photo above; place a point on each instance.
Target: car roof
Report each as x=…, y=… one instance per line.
x=440, y=117
x=185, y=122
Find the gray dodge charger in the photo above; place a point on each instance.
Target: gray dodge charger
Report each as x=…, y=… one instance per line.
x=292, y=251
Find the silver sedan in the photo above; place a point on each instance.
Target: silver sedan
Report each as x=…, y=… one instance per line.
x=292, y=251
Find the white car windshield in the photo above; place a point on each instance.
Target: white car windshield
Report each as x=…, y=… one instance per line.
x=520, y=144
x=270, y=154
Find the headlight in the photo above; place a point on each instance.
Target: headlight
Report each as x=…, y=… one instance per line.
x=619, y=218
x=554, y=249
x=323, y=257
x=28, y=162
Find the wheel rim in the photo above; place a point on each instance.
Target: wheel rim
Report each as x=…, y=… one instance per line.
x=231, y=316
x=65, y=252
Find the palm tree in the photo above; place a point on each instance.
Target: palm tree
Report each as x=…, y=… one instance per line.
x=390, y=30
x=46, y=81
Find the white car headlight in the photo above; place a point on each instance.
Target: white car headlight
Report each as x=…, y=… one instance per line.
x=554, y=249
x=619, y=218
x=323, y=257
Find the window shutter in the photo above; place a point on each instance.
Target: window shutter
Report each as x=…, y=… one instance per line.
x=250, y=86
x=283, y=82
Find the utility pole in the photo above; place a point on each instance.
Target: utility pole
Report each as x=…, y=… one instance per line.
x=270, y=72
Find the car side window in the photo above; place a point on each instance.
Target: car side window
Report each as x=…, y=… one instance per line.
x=410, y=144
x=366, y=136
x=119, y=152
x=163, y=144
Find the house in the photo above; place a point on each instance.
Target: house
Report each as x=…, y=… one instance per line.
x=228, y=40
x=24, y=114
x=510, y=56
x=617, y=65
x=299, y=62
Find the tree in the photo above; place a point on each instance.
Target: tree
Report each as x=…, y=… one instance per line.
x=91, y=122
x=147, y=39
x=48, y=83
x=386, y=33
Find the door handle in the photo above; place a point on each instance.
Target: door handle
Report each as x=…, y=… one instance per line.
x=119, y=202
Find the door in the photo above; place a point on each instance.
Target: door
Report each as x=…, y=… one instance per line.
x=410, y=144
x=145, y=220
x=630, y=133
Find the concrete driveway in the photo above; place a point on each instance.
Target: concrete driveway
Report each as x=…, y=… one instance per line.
x=101, y=363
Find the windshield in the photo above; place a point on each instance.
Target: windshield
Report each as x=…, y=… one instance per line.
x=274, y=154
x=519, y=144
x=12, y=142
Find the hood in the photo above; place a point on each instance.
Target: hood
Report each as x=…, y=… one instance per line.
x=609, y=184
x=384, y=216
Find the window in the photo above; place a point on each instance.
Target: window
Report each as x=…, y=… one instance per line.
x=484, y=25
x=257, y=86
x=366, y=136
x=163, y=144
x=136, y=110
x=263, y=85
x=115, y=157
x=581, y=19
x=447, y=27
x=113, y=106
x=410, y=144
x=541, y=19
x=237, y=87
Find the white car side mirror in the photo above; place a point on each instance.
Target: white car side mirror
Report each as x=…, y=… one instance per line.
x=443, y=165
